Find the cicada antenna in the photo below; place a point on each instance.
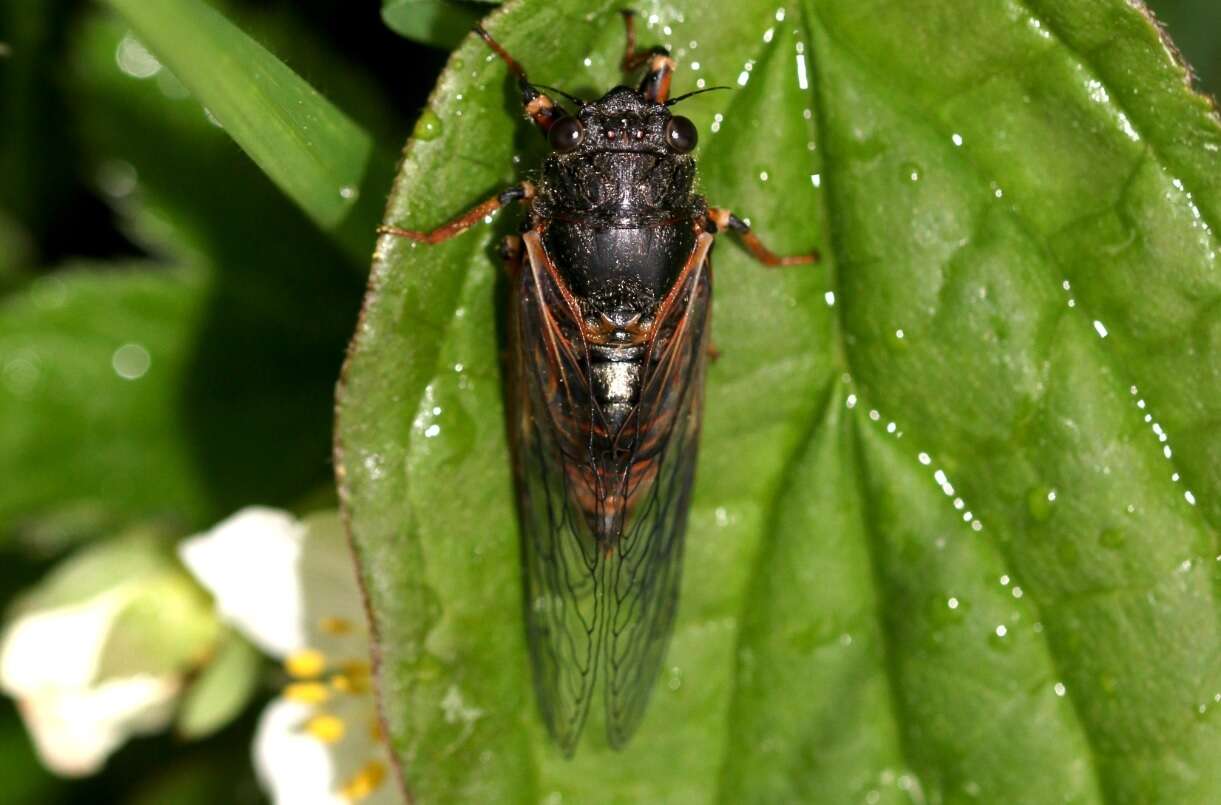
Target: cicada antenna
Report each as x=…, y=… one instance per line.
x=558, y=91
x=673, y=101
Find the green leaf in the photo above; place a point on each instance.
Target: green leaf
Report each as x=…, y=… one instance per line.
x=308, y=147
x=440, y=23
x=91, y=369
x=130, y=392
x=222, y=690
x=937, y=551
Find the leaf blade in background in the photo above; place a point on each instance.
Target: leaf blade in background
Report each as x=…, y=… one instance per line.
x=245, y=389
x=311, y=150
x=440, y=23
x=96, y=360
x=912, y=569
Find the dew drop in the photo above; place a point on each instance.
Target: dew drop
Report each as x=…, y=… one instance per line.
x=130, y=361
x=944, y=611
x=117, y=178
x=428, y=127
x=1039, y=502
x=910, y=172
x=134, y=59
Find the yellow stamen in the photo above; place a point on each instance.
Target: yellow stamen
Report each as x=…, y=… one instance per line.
x=307, y=692
x=364, y=782
x=327, y=728
x=336, y=626
x=350, y=684
x=356, y=669
x=305, y=664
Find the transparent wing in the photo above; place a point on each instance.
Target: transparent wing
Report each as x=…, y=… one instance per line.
x=564, y=568
x=643, y=575
x=609, y=604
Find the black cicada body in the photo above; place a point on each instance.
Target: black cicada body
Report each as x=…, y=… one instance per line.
x=612, y=292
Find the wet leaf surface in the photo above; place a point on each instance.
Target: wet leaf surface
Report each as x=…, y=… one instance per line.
x=954, y=533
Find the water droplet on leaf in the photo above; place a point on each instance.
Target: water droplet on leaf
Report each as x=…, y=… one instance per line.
x=428, y=127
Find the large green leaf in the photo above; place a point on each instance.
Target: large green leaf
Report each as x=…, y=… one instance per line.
x=940, y=547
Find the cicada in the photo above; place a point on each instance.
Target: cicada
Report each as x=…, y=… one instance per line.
x=611, y=290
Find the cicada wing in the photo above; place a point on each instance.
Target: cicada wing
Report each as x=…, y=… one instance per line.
x=643, y=576
x=564, y=569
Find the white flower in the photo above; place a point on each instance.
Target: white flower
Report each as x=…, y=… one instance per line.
x=290, y=586
x=82, y=685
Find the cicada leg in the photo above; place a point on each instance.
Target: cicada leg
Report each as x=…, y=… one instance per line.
x=655, y=86
x=541, y=109
x=721, y=218
x=518, y=192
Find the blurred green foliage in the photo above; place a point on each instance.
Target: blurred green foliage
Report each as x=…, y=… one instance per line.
x=171, y=325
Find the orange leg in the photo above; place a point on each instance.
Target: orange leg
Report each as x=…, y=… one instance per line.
x=521, y=192
x=656, y=82
x=541, y=109
x=724, y=219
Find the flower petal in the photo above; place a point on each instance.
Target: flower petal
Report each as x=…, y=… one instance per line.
x=57, y=648
x=74, y=731
x=322, y=755
x=292, y=765
x=251, y=564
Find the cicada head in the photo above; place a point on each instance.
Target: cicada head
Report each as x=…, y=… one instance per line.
x=621, y=152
